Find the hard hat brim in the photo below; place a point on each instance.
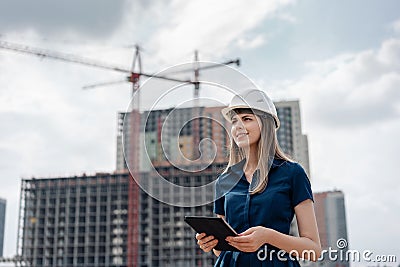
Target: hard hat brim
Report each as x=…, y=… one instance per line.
x=226, y=113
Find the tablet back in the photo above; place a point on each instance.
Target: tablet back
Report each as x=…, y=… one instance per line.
x=214, y=226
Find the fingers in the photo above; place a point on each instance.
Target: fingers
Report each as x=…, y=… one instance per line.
x=206, y=243
x=245, y=248
x=200, y=236
x=243, y=243
x=207, y=247
x=239, y=239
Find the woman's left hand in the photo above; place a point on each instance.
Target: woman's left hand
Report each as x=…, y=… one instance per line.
x=250, y=240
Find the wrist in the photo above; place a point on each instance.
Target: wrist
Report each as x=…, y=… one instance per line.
x=268, y=235
x=216, y=252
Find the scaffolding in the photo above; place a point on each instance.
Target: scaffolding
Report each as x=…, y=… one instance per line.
x=74, y=221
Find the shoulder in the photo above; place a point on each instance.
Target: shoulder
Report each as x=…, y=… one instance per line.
x=226, y=181
x=295, y=167
x=299, y=177
x=291, y=170
x=221, y=177
x=289, y=167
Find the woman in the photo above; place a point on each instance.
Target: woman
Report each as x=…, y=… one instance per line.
x=260, y=192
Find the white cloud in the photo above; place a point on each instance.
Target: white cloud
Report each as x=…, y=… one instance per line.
x=50, y=126
x=55, y=18
x=396, y=26
x=195, y=25
x=286, y=17
x=351, y=108
x=352, y=90
x=250, y=43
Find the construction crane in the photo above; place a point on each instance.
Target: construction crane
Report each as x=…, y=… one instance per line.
x=134, y=73
x=133, y=77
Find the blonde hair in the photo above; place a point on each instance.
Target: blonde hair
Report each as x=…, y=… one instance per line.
x=268, y=149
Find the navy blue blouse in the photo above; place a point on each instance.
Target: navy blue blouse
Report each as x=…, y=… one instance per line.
x=287, y=186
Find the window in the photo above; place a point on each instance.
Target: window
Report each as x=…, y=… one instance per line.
x=104, y=189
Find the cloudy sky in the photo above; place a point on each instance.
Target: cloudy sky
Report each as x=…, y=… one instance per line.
x=341, y=59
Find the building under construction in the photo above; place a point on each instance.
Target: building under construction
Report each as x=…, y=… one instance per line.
x=78, y=221
x=106, y=220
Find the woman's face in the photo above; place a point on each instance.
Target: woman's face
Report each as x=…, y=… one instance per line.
x=246, y=131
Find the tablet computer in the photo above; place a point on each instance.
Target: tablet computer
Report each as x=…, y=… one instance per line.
x=214, y=226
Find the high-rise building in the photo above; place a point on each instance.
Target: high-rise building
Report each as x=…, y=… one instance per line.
x=128, y=143
x=78, y=221
x=160, y=129
x=290, y=134
x=331, y=219
x=106, y=220
x=167, y=239
x=3, y=204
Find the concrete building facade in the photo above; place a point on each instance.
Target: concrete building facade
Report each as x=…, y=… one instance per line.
x=106, y=220
x=171, y=135
x=3, y=204
x=330, y=212
x=77, y=221
x=290, y=134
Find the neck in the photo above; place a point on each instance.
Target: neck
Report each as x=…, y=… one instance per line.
x=251, y=159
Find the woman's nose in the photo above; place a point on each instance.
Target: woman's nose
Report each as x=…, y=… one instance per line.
x=238, y=125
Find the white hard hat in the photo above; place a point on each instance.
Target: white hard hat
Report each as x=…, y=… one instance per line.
x=254, y=99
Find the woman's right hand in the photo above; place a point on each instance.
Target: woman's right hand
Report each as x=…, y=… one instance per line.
x=206, y=243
